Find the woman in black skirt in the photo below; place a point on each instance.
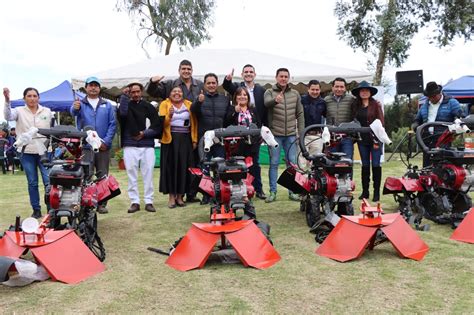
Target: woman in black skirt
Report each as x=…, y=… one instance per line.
x=177, y=144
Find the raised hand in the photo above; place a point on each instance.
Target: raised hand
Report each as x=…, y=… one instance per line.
x=238, y=108
x=6, y=94
x=230, y=75
x=171, y=111
x=157, y=78
x=77, y=104
x=280, y=98
x=201, y=97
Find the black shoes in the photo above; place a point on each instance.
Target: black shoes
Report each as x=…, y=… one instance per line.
x=191, y=199
x=134, y=207
x=205, y=200
x=364, y=195
x=150, y=208
x=261, y=195
x=36, y=213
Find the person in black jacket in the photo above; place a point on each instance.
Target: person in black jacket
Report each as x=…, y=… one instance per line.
x=211, y=110
x=139, y=145
x=244, y=114
x=314, y=113
x=256, y=93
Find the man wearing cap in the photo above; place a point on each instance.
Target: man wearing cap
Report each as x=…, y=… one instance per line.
x=139, y=145
x=437, y=107
x=98, y=113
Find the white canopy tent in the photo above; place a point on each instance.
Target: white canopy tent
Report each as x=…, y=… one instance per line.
x=221, y=62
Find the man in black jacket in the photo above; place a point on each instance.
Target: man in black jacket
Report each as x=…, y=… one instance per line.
x=256, y=93
x=314, y=113
x=139, y=145
x=211, y=109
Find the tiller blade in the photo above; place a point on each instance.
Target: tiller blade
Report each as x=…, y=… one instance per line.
x=249, y=243
x=62, y=253
x=465, y=231
x=353, y=234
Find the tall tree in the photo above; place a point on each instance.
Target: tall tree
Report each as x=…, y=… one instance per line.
x=385, y=28
x=185, y=21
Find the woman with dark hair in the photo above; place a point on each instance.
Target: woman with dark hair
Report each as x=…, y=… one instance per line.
x=30, y=115
x=366, y=109
x=244, y=114
x=177, y=145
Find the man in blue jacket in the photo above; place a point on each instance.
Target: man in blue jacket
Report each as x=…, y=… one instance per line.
x=437, y=107
x=98, y=113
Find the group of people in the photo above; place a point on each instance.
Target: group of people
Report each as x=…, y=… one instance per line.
x=190, y=107
x=8, y=154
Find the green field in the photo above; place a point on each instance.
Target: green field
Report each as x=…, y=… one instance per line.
x=137, y=280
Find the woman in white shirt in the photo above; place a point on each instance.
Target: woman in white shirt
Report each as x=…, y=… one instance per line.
x=30, y=115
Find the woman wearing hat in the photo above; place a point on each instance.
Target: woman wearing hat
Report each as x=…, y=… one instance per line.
x=366, y=109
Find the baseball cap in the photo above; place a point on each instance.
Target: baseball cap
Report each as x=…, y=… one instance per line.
x=92, y=79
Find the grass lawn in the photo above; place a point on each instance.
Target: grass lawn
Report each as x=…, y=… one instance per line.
x=137, y=280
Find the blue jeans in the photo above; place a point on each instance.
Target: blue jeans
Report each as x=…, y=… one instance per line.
x=31, y=163
x=366, y=150
x=289, y=146
x=347, y=146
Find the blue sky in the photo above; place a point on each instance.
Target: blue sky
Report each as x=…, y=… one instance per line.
x=46, y=42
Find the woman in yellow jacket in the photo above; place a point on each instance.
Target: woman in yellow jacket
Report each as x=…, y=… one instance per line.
x=177, y=144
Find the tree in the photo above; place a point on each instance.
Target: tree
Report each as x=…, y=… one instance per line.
x=186, y=21
x=386, y=28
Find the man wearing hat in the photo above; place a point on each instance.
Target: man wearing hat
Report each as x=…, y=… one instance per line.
x=437, y=107
x=98, y=113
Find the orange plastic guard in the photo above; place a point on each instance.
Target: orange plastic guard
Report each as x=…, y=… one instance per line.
x=193, y=250
x=207, y=186
x=346, y=241
x=303, y=181
x=195, y=171
x=9, y=248
x=405, y=240
x=253, y=247
x=350, y=238
x=465, y=231
x=250, y=244
x=68, y=259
